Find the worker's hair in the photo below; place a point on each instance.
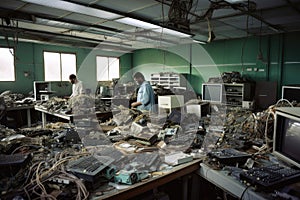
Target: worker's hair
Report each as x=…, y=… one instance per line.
x=139, y=75
x=72, y=76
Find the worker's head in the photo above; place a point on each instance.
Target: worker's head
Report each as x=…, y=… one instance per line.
x=72, y=78
x=139, y=78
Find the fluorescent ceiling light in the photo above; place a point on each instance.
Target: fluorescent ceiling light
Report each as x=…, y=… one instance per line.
x=198, y=41
x=172, y=32
x=153, y=27
x=137, y=23
x=235, y=1
x=153, y=41
x=73, y=7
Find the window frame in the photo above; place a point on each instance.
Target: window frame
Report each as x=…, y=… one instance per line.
x=60, y=52
x=108, y=66
x=14, y=55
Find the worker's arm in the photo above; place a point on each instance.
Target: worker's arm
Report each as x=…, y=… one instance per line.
x=136, y=104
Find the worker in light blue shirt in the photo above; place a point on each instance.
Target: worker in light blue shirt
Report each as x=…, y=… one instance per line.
x=145, y=96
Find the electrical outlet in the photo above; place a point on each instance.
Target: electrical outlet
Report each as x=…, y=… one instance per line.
x=249, y=69
x=261, y=70
x=255, y=69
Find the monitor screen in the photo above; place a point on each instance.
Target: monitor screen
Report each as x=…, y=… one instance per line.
x=212, y=92
x=287, y=135
x=291, y=93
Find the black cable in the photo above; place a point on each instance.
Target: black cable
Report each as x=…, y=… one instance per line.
x=244, y=43
x=196, y=6
x=244, y=192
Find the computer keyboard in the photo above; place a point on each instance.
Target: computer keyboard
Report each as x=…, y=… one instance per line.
x=270, y=177
x=12, y=163
x=91, y=168
x=13, y=159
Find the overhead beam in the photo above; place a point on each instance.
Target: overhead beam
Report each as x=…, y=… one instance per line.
x=126, y=14
x=293, y=5
x=58, y=38
x=20, y=15
x=50, y=35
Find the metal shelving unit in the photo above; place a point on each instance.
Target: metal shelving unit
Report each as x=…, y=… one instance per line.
x=168, y=79
x=231, y=94
x=236, y=93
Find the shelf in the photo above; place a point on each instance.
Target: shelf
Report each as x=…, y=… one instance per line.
x=231, y=94
x=168, y=79
x=236, y=95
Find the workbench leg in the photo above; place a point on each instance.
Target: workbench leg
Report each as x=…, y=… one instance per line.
x=28, y=118
x=184, y=187
x=44, y=119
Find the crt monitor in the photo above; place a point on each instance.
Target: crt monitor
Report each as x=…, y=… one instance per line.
x=287, y=135
x=291, y=93
x=41, y=87
x=212, y=92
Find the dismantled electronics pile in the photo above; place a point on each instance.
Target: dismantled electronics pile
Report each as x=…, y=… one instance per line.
x=64, y=161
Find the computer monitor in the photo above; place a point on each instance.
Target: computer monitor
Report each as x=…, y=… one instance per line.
x=286, y=141
x=212, y=92
x=291, y=93
x=41, y=88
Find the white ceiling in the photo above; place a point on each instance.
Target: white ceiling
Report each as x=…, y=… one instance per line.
x=89, y=23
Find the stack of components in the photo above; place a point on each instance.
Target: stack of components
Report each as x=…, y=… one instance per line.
x=54, y=104
x=11, y=99
x=81, y=104
x=228, y=77
x=232, y=77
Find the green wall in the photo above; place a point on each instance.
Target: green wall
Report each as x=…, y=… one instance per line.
x=29, y=58
x=156, y=60
x=280, y=61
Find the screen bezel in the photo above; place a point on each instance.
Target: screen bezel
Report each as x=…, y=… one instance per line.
x=284, y=90
x=213, y=84
x=277, y=137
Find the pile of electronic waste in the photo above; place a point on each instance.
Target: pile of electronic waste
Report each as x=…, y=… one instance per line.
x=54, y=104
x=67, y=162
x=81, y=104
x=14, y=99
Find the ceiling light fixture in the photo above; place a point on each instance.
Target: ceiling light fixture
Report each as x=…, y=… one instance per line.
x=199, y=42
x=76, y=8
x=153, y=27
x=235, y=1
x=137, y=23
x=172, y=32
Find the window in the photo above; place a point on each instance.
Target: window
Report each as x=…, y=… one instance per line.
x=107, y=68
x=7, y=65
x=58, y=66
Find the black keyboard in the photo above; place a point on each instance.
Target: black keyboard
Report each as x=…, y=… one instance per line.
x=270, y=177
x=13, y=159
x=229, y=156
x=147, y=138
x=90, y=168
x=12, y=163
